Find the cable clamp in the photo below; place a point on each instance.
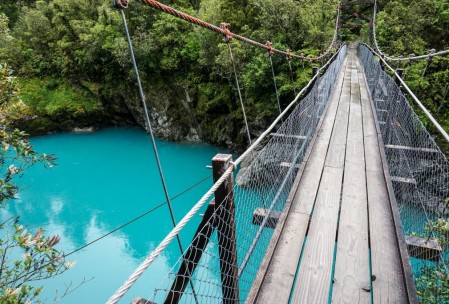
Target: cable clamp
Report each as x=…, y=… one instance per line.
x=269, y=48
x=289, y=54
x=432, y=51
x=120, y=4
x=234, y=165
x=226, y=32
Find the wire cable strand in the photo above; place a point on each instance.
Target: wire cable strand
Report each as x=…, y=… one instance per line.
x=137, y=217
x=275, y=84
x=240, y=93
x=186, y=17
x=153, y=141
x=121, y=226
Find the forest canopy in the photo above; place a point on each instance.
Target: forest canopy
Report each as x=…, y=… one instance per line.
x=73, y=63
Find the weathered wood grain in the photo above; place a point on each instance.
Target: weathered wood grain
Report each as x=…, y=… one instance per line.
x=314, y=275
x=352, y=273
x=388, y=281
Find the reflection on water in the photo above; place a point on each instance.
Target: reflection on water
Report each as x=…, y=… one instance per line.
x=103, y=180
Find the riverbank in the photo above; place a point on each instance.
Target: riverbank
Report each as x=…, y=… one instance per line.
x=52, y=105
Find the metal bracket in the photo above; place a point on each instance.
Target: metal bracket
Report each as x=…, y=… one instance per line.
x=120, y=4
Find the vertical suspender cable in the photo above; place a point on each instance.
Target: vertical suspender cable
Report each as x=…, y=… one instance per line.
x=444, y=99
x=240, y=93
x=274, y=81
x=427, y=65
x=153, y=142
x=291, y=71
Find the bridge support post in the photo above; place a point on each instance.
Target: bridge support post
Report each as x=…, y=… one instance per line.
x=193, y=255
x=400, y=73
x=382, y=65
x=226, y=230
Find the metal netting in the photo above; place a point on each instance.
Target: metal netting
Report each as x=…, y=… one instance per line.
x=419, y=174
x=237, y=237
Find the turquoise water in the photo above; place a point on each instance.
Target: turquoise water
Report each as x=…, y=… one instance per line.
x=102, y=180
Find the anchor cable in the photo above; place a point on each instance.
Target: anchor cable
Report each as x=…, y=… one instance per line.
x=291, y=71
x=153, y=142
x=137, y=217
x=274, y=76
x=66, y=255
x=186, y=17
x=240, y=94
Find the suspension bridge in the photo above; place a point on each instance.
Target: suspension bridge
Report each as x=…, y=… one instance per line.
x=316, y=212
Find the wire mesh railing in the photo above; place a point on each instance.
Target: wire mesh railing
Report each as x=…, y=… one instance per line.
x=419, y=173
x=224, y=256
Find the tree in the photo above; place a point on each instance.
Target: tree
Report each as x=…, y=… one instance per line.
x=40, y=259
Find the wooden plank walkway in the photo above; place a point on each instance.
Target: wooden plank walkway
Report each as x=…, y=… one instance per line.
x=337, y=242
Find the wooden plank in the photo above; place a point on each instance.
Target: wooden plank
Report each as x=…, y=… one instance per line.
x=276, y=274
x=388, y=280
x=314, y=276
x=278, y=282
x=305, y=198
x=426, y=150
x=423, y=248
x=404, y=180
x=352, y=282
x=289, y=136
x=261, y=213
x=337, y=147
x=288, y=165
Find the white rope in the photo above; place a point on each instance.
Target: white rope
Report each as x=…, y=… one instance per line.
x=167, y=240
x=172, y=235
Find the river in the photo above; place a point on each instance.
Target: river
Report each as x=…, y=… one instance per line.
x=102, y=180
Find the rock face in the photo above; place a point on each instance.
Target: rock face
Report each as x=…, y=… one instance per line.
x=171, y=111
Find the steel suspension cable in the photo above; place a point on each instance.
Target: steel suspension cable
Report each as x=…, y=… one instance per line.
x=291, y=72
x=275, y=85
x=153, y=141
x=274, y=76
x=186, y=17
x=239, y=92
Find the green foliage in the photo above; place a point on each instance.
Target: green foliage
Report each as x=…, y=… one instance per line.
x=24, y=257
x=50, y=96
x=415, y=27
x=433, y=285
x=39, y=260
x=83, y=42
x=433, y=282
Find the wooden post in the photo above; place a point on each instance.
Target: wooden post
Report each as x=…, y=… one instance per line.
x=226, y=230
x=193, y=255
x=400, y=72
x=382, y=65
